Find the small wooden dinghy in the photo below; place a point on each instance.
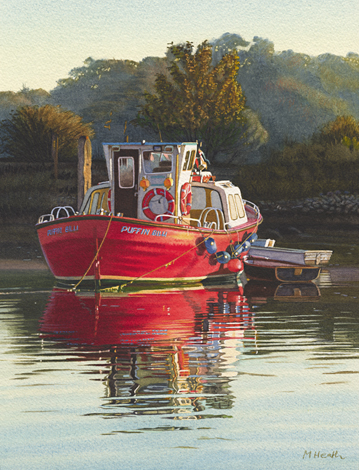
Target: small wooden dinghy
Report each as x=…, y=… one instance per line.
x=266, y=262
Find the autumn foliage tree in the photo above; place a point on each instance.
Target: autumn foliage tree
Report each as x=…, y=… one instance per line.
x=196, y=100
x=343, y=130
x=29, y=133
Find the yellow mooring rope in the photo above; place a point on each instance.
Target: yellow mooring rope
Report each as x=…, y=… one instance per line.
x=122, y=286
x=97, y=252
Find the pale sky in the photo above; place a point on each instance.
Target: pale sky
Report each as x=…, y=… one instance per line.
x=42, y=40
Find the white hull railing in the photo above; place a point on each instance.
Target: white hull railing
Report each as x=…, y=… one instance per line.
x=252, y=206
x=56, y=214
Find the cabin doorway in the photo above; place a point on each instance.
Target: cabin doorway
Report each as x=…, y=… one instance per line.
x=126, y=163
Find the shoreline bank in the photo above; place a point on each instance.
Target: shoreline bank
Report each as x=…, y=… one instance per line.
x=23, y=265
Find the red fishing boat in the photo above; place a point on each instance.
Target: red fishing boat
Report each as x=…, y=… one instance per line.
x=160, y=217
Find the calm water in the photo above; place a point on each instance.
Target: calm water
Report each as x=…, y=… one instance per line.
x=258, y=377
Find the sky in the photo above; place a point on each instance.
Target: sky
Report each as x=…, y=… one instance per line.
x=42, y=40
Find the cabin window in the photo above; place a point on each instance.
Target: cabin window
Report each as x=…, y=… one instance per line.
x=87, y=205
x=157, y=162
x=103, y=204
x=94, y=202
x=191, y=163
x=216, y=200
x=186, y=161
x=240, y=206
x=198, y=198
x=232, y=207
x=204, y=197
x=189, y=160
x=126, y=172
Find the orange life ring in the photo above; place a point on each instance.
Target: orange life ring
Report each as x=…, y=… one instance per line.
x=186, y=199
x=109, y=200
x=147, y=199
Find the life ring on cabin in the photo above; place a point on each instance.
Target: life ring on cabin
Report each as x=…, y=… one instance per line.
x=109, y=200
x=186, y=199
x=158, y=192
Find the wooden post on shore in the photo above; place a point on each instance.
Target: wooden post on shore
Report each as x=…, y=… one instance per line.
x=55, y=153
x=83, y=168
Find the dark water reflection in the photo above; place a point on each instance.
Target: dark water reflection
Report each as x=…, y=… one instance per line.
x=257, y=368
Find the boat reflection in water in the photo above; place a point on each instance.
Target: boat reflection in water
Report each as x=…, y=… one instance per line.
x=259, y=291
x=172, y=351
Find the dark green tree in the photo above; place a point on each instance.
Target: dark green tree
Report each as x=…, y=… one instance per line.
x=196, y=100
x=28, y=134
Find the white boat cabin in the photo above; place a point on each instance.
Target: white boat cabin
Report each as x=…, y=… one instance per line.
x=164, y=182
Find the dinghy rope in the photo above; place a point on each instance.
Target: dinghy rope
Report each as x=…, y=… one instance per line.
x=94, y=258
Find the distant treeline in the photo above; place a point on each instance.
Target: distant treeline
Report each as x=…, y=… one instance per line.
x=289, y=96
x=300, y=171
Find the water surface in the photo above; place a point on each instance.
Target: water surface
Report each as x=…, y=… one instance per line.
x=261, y=376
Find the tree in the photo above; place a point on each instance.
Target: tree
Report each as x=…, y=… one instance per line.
x=343, y=130
x=197, y=100
x=29, y=132
x=102, y=87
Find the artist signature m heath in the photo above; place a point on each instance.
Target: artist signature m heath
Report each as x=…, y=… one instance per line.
x=322, y=455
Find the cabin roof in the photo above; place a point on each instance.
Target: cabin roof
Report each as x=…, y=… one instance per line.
x=149, y=143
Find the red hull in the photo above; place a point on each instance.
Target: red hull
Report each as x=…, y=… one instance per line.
x=134, y=249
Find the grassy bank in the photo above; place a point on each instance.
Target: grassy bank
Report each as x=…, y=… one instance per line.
x=28, y=191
